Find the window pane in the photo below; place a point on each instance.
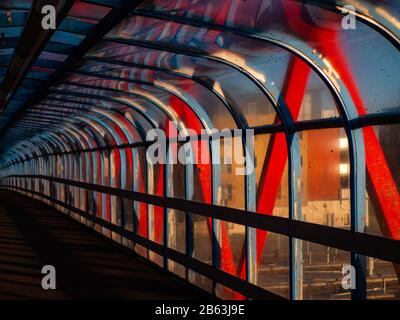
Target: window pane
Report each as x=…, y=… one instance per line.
x=322, y=272
x=382, y=149
x=382, y=279
x=325, y=174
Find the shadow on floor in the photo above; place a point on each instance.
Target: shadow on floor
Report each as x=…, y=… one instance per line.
x=87, y=266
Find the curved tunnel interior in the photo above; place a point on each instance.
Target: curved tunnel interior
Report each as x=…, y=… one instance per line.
x=306, y=94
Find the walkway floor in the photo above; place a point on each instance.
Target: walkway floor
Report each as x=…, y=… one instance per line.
x=87, y=266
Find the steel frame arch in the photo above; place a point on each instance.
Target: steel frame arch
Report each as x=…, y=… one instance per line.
x=191, y=104
x=109, y=61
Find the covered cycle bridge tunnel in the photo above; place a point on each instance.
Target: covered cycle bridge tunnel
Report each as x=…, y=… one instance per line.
x=283, y=118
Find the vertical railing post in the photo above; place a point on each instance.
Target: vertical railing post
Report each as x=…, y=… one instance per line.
x=250, y=205
x=216, y=224
x=167, y=168
x=295, y=192
x=357, y=205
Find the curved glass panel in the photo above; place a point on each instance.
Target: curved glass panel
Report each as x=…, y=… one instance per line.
x=385, y=12
x=195, y=97
x=275, y=69
x=316, y=31
x=245, y=98
x=145, y=107
x=170, y=105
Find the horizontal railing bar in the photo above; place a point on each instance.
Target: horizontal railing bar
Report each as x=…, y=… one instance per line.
x=362, y=243
x=248, y=289
x=388, y=118
x=377, y=119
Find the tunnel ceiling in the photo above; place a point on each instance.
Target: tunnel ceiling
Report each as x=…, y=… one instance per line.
x=116, y=54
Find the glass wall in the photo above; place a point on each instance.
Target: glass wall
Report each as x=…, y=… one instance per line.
x=278, y=146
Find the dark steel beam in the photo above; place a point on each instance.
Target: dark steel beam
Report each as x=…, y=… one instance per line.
x=42, y=117
x=110, y=3
x=101, y=29
x=54, y=107
x=51, y=112
x=29, y=47
x=53, y=99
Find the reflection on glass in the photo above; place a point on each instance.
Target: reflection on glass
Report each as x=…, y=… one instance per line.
x=273, y=267
x=156, y=258
x=200, y=233
x=314, y=30
x=226, y=293
x=382, y=279
x=322, y=272
x=177, y=268
x=270, y=153
x=156, y=223
x=383, y=180
x=177, y=230
x=324, y=153
x=201, y=281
